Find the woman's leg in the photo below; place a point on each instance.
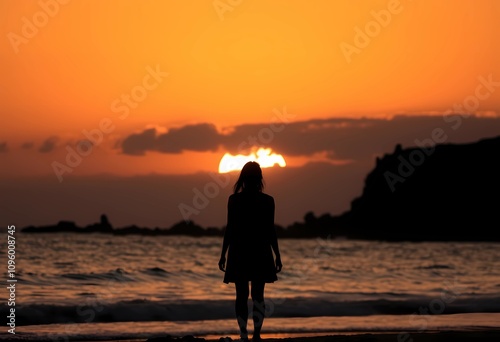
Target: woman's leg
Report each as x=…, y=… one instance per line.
x=259, y=308
x=241, y=307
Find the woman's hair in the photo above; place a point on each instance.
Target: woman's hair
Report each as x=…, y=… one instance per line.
x=250, y=178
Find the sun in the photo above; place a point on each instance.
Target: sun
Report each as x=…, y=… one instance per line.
x=263, y=156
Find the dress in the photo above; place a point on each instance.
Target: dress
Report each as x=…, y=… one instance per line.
x=250, y=232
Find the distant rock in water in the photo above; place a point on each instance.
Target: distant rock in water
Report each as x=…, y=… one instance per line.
x=105, y=222
x=101, y=227
x=104, y=226
x=187, y=228
x=69, y=226
x=61, y=226
x=447, y=192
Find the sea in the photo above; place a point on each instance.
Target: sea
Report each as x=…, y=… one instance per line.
x=105, y=287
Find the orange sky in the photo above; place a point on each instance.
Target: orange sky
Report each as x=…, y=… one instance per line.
x=64, y=76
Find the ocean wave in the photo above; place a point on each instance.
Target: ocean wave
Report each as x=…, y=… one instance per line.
x=92, y=310
x=435, y=267
x=117, y=275
x=156, y=271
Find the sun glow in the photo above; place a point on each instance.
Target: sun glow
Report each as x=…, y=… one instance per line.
x=263, y=156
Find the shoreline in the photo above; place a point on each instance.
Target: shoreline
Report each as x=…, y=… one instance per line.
x=396, y=336
x=486, y=335
x=374, y=336
x=476, y=334
x=464, y=327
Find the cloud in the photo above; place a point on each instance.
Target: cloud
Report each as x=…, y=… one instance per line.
x=338, y=138
x=138, y=144
x=201, y=137
x=3, y=147
x=48, y=145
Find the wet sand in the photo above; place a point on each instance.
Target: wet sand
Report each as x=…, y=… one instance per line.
x=432, y=336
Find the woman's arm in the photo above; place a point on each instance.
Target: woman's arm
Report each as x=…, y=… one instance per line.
x=227, y=236
x=274, y=245
x=225, y=246
x=274, y=240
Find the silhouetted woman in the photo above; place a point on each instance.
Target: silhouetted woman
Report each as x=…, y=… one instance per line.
x=251, y=238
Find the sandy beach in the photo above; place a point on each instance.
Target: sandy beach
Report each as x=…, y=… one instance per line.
x=427, y=336
x=433, y=336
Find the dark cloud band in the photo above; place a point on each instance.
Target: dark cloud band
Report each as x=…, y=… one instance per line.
x=340, y=138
